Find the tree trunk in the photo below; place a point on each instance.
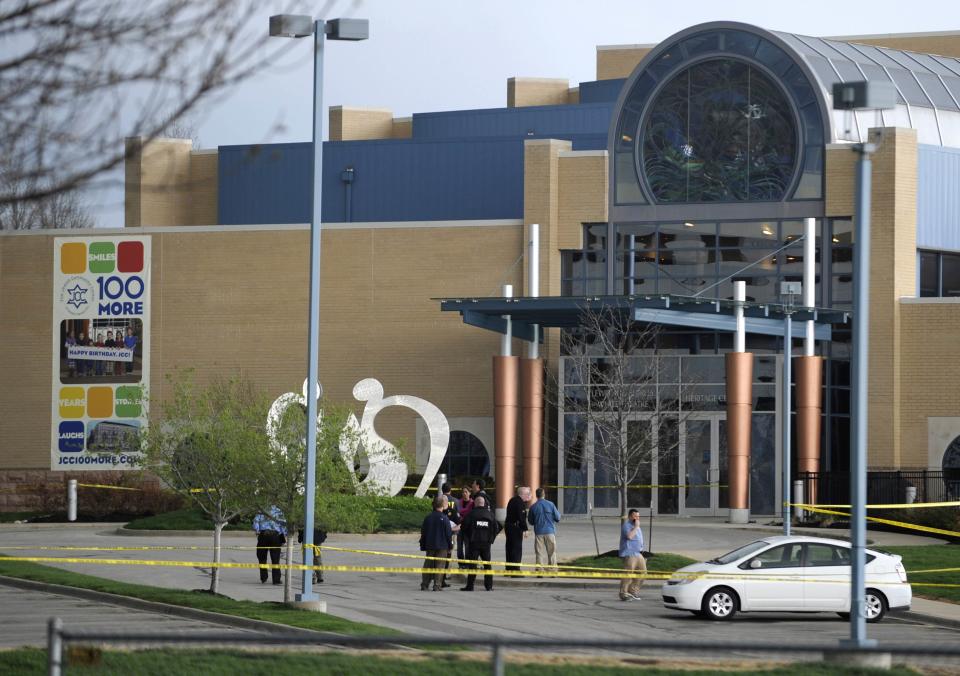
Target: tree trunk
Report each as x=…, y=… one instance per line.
x=287, y=582
x=623, y=499
x=215, y=573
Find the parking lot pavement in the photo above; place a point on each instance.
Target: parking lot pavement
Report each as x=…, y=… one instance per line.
x=25, y=615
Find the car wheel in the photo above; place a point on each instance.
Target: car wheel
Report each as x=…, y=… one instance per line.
x=874, y=605
x=719, y=603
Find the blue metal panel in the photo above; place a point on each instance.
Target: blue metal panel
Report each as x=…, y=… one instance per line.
x=938, y=198
x=394, y=180
x=601, y=91
x=531, y=121
x=718, y=322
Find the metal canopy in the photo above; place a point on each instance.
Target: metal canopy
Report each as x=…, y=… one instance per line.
x=566, y=312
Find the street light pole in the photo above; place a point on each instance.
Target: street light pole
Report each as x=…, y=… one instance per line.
x=788, y=290
x=299, y=26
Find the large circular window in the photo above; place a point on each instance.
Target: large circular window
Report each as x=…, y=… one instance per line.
x=719, y=131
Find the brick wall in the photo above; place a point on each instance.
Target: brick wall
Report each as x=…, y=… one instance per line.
x=537, y=91
x=618, y=61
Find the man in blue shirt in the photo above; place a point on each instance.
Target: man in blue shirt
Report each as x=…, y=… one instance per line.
x=544, y=516
x=271, y=536
x=631, y=546
x=435, y=535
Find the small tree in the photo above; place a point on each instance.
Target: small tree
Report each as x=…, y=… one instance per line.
x=615, y=360
x=280, y=481
x=209, y=444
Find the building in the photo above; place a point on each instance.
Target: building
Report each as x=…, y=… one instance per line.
x=685, y=166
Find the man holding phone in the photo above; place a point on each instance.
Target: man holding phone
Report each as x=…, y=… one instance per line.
x=631, y=546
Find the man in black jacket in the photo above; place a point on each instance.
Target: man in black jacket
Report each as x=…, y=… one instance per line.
x=435, y=535
x=452, y=511
x=515, y=525
x=480, y=528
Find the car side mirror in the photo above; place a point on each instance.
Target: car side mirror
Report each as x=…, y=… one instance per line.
x=756, y=563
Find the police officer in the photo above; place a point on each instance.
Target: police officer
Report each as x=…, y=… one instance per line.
x=480, y=529
x=515, y=526
x=453, y=513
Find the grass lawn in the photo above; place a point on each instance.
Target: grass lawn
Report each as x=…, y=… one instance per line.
x=929, y=557
x=270, y=612
x=225, y=663
x=658, y=562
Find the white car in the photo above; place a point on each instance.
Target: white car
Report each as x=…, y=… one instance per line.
x=787, y=574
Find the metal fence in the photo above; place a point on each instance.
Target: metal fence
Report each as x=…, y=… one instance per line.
x=58, y=637
x=885, y=487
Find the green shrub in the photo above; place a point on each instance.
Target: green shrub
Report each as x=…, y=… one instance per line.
x=944, y=518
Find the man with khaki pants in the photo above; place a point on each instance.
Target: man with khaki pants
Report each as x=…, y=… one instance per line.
x=631, y=546
x=544, y=516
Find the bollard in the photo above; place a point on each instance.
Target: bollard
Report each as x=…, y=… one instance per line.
x=911, y=495
x=72, y=500
x=496, y=660
x=441, y=479
x=54, y=647
x=798, y=498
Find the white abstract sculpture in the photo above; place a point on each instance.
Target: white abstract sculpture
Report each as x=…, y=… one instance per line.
x=387, y=469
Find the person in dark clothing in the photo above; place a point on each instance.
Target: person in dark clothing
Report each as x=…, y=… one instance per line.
x=477, y=488
x=453, y=513
x=465, y=505
x=271, y=536
x=435, y=536
x=515, y=526
x=480, y=529
x=319, y=537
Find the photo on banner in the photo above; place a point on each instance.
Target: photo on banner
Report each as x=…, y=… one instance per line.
x=100, y=351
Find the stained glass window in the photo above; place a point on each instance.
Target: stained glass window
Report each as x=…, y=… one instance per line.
x=719, y=131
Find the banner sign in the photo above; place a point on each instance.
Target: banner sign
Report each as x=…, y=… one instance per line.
x=101, y=351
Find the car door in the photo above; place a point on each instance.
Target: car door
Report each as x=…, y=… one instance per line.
x=826, y=585
x=773, y=579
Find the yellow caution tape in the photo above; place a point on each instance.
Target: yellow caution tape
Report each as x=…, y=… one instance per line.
x=476, y=567
x=904, y=505
x=901, y=524
x=116, y=488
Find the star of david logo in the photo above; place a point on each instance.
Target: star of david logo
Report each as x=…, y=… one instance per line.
x=77, y=294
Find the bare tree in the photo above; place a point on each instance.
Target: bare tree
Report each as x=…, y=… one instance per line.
x=60, y=210
x=620, y=389
x=77, y=76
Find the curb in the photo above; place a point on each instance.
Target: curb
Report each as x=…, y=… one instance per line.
x=929, y=619
x=234, y=621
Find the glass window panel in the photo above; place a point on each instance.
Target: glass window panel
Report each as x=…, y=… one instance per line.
x=784, y=556
x=950, y=275
x=723, y=465
x=574, y=399
x=596, y=237
x=665, y=63
x=841, y=290
x=908, y=86
x=847, y=50
x=764, y=370
x=848, y=70
x=930, y=63
x=595, y=264
x=811, y=180
x=842, y=230
x=953, y=85
x=820, y=47
x=668, y=466
x=763, y=476
x=574, y=465
x=704, y=397
x=703, y=370
x=638, y=287
x=740, y=42
x=595, y=287
x=668, y=369
x=636, y=237
x=877, y=55
x=764, y=398
x=606, y=451
x=929, y=274
x=812, y=123
x=759, y=288
x=627, y=129
x=797, y=82
x=688, y=235
x=698, y=447
x=699, y=44
x=875, y=73
x=628, y=187
x=824, y=71
x=773, y=57
x=640, y=434
x=936, y=91
x=947, y=62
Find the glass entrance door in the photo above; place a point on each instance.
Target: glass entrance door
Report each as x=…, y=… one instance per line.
x=703, y=465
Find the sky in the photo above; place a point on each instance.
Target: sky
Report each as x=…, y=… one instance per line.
x=432, y=55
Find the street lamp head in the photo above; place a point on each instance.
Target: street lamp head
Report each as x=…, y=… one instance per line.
x=872, y=95
x=291, y=25
x=347, y=29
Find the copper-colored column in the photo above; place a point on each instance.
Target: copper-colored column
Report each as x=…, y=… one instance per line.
x=739, y=411
x=808, y=381
x=531, y=425
x=505, y=391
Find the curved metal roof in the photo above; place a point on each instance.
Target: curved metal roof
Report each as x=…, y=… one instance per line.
x=928, y=86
